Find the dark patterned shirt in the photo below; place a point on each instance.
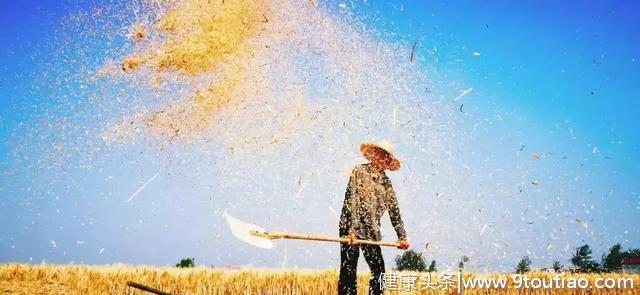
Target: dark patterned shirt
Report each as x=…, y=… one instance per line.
x=369, y=194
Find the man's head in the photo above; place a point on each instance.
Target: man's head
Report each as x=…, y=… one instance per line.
x=380, y=155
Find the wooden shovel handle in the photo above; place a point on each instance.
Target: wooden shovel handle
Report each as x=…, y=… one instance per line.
x=145, y=288
x=274, y=236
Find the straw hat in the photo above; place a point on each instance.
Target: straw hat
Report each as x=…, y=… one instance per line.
x=367, y=148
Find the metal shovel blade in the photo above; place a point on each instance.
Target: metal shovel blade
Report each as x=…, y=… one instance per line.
x=242, y=230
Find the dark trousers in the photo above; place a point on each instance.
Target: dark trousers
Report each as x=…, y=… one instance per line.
x=349, y=264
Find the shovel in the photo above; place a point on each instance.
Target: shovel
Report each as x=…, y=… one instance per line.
x=256, y=236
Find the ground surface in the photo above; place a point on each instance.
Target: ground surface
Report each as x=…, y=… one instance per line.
x=112, y=279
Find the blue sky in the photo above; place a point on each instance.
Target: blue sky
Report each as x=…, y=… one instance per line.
x=564, y=72
x=545, y=57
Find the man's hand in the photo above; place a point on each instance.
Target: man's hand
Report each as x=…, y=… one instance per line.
x=403, y=245
x=352, y=239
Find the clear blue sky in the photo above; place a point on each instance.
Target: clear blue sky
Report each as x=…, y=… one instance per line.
x=566, y=71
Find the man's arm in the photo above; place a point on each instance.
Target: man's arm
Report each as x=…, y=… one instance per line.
x=394, y=211
x=349, y=208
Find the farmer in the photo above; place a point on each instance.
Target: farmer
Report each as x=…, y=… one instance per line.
x=369, y=194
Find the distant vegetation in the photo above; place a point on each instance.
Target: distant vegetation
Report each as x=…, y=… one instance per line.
x=187, y=262
x=464, y=259
x=524, y=265
x=582, y=261
x=432, y=266
x=613, y=260
x=557, y=266
x=410, y=260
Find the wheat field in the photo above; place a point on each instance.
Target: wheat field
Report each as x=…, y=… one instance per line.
x=112, y=279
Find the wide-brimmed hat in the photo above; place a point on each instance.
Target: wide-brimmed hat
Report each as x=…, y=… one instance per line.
x=385, y=146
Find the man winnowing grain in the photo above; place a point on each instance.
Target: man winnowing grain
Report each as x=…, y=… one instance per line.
x=369, y=194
